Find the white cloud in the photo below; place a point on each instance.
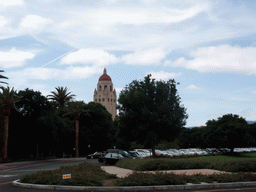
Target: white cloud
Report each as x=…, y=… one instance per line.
x=138, y=16
x=90, y=56
x=222, y=58
x=9, y=3
x=80, y=72
x=253, y=92
x=145, y=57
x=34, y=22
x=14, y=58
x=39, y=73
x=3, y=21
x=193, y=87
x=163, y=75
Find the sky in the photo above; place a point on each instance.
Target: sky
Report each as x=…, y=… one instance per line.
x=208, y=46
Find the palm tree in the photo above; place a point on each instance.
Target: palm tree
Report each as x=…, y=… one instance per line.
x=61, y=95
x=3, y=77
x=76, y=108
x=7, y=98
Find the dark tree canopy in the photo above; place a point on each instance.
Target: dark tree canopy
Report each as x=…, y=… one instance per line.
x=32, y=103
x=192, y=138
x=150, y=111
x=229, y=131
x=96, y=129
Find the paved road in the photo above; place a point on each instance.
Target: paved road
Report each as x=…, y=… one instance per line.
x=13, y=171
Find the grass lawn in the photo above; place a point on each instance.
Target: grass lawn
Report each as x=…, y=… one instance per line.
x=227, y=157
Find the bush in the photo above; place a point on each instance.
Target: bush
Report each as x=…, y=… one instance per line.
x=146, y=179
x=152, y=164
x=83, y=174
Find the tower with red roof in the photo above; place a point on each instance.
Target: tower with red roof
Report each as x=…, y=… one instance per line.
x=106, y=94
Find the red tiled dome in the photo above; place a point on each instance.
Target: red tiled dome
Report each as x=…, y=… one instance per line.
x=104, y=77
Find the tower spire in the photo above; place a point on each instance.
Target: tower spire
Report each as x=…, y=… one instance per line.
x=104, y=71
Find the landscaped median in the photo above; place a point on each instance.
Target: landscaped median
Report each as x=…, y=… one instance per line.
x=90, y=175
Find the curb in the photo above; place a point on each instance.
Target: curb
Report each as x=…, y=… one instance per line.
x=139, y=188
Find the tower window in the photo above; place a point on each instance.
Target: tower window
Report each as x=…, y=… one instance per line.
x=105, y=88
x=100, y=88
x=110, y=88
x=103, y=99
x=95, y=100
x=99, y=100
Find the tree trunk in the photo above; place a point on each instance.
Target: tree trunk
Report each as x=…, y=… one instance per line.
x=6, y=130
x=153, y=151
x=77, y=138
x=37, y=154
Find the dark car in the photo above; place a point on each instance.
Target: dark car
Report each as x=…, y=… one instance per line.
x=110, y=158
x=125, y=154
x=95, y=155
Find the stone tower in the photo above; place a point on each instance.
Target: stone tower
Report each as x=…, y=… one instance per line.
x=105, y=94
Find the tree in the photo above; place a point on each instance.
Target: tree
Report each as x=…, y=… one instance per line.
x=97, y=132
x=3, y=77
x=76, y=108
x=59, y=131
x=32, y=105
x=7, y=98
x=150, y=111
x=229, y=131
x=192, y=138
x=61, y=95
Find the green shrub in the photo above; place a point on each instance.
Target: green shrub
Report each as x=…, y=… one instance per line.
x=222, y=164
x=83, y=174
x=146, y=179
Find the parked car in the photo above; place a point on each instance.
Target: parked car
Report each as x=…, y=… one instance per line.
x=110, y=158
x=174, y=152
x=125, y=154
x=146, y=152
x=95, y=155
x=136, y=154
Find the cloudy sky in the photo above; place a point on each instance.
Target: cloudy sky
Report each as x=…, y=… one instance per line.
x=209, y=47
